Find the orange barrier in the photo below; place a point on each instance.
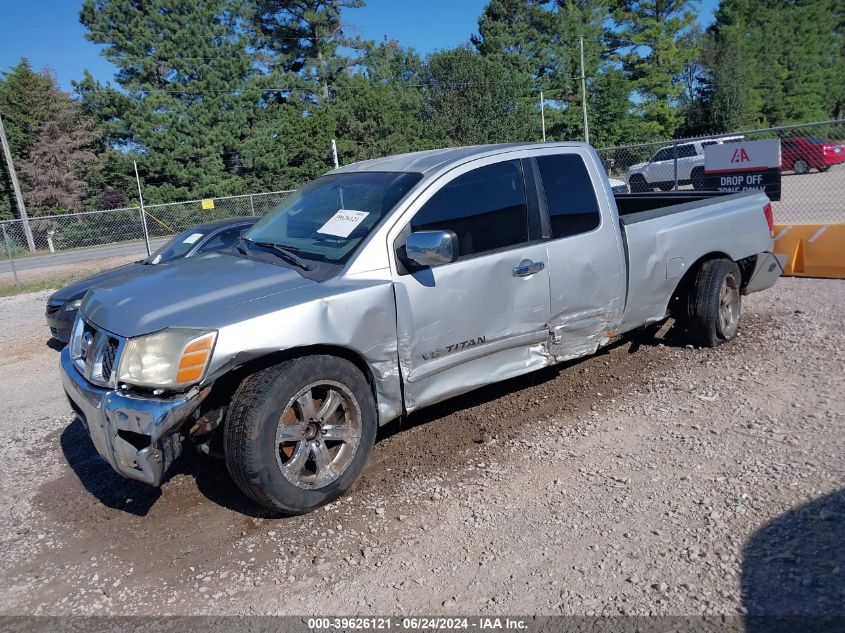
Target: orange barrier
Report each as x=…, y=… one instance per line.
x=813, y=250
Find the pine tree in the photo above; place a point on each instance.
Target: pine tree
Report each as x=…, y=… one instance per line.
x=188, y=99
x=649, y=42
x=27, y=100
x=518, y=35
x=777, y=64
x=54, y=170
x=377, y=110
x=300, y=39
x=472, y=100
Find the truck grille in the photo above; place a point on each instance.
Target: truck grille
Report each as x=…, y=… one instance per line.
x=95, y=352
x=109, y=354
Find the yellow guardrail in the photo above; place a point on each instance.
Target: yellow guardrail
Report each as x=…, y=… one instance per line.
x=812, y=250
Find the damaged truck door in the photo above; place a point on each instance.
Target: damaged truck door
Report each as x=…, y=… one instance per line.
x=486, y=313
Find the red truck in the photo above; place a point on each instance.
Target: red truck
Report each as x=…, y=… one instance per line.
x=802, y=153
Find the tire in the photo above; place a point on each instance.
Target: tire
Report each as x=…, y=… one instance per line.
x=697, y=178
x=276, y=437
x=638, y=184
x=714, y=303
x=800, y=166
x=824, y=168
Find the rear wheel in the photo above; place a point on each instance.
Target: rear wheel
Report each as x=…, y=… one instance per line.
x=638, y=184
x=298, y=434
x=714, y=303
x=800, y=166
x=697, y=178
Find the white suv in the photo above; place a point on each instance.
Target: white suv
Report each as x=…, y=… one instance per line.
x=660, y=170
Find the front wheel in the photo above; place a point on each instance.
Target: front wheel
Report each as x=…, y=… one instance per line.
x=714, y=303
x=299, y=433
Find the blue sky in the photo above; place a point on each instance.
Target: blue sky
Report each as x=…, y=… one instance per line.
x=49, y=34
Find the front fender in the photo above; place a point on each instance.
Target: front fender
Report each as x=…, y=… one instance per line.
x=359, y=316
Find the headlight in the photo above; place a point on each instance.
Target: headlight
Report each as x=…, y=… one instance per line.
x=73, y=305
x=171, y=358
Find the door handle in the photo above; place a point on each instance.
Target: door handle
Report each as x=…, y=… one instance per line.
x=526, y=268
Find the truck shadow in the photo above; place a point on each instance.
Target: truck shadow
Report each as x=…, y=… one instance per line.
x=98, y=478
x=793, y=570
x=135, y=498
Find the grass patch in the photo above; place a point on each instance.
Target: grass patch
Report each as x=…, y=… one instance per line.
x=35, y=286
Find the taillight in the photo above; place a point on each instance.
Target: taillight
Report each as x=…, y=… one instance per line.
x=770, y=218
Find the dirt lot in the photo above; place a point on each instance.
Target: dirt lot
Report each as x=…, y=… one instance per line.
x=652, y=478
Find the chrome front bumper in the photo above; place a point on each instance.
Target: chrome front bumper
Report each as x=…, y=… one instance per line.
x=136, y=436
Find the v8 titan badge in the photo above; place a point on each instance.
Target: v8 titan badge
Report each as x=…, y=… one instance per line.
x=342, y=223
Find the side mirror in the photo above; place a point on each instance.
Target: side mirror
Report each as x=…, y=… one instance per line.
x=430, y=248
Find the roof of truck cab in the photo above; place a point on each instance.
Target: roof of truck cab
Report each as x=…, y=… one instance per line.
x=435, y=159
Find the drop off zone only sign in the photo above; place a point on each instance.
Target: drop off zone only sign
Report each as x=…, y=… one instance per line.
x=744, y=166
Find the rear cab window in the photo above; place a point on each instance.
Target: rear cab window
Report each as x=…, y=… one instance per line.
x=570, y=194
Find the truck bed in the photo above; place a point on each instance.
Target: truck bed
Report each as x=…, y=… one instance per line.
x=666, y=234
x=636, y=207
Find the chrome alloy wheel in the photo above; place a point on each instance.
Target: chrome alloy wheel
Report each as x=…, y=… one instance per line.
x=729, y=305
x=318, y=434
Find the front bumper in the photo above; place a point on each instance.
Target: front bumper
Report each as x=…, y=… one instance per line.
x=136, y=436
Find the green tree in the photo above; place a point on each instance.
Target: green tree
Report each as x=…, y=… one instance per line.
x=776, y=64
x=519, y=35
x=649, y=40
x=300, y=41
x=189, y=95
x=573, y=20
x=472, y=100
x=377, y=110
x=287, y=144
x=611, y=118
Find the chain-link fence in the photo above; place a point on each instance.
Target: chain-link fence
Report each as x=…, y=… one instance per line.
x=813, y=191
x=812, y=168
x=80, y=242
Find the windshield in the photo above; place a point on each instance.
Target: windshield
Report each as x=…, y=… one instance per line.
x=326, y=219
x=176, y=248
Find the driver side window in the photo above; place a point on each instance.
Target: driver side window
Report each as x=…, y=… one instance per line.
x=485, y=207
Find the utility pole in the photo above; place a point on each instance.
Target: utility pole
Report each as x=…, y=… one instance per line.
x=334, y=154
x=543, y=115
x=7, y=152
x=584, y=93
x=143, y=212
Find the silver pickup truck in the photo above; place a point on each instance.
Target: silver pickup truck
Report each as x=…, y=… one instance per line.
x=388, y=285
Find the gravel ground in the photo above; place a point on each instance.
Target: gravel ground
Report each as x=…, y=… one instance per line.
x=653, y=478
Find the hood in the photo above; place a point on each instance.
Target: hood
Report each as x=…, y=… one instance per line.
x=77, y=290
x=637, y=167
x=209, y=291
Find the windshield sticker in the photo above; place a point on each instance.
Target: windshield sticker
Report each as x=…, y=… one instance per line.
x=193, y=237
x=342, y=223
